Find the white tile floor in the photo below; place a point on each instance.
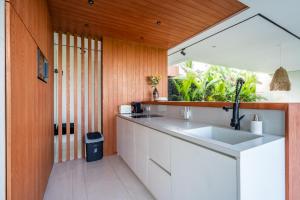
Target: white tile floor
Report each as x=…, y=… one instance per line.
x=64, y=147
x=107, y=179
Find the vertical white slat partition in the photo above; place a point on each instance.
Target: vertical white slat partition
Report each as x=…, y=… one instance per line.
x=77, y=93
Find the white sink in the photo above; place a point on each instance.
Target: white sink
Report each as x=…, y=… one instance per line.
x=224, y=135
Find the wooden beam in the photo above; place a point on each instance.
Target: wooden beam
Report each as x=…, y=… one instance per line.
x=292, y=124
x=75, y=99
x=59, y=96
x=263, y=106
x=96, y=78
x=89, y=85
x=8, y=98
x=82, y=98
x=68, y=96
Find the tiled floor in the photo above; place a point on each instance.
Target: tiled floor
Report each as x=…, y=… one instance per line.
x=108, y=179
x=64, y=147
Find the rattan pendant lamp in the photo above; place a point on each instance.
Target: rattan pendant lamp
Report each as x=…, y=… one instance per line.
x=280, y=80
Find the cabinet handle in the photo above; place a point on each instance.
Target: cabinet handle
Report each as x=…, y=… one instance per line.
x=169, y=173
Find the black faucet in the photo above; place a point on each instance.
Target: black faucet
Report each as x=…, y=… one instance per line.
x=235, y=120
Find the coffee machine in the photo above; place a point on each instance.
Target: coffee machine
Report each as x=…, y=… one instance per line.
x=136, y=107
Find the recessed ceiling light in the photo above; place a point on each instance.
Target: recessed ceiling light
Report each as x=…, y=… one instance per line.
x=91, y=2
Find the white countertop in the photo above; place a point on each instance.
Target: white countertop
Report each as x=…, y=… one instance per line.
x=177, y=127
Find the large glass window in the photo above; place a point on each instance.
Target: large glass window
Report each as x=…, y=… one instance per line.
x=195, y=81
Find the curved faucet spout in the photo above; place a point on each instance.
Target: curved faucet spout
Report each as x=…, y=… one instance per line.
x=235, y=120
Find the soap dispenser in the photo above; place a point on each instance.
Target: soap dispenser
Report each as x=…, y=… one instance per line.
x=256, y=126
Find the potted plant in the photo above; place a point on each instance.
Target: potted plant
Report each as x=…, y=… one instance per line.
x=154, y=81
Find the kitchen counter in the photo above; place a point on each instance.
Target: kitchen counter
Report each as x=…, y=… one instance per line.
x=177, y=127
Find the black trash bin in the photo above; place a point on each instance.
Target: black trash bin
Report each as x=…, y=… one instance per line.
x=94, y=146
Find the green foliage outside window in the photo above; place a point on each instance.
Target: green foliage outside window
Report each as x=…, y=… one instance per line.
x=215, y=84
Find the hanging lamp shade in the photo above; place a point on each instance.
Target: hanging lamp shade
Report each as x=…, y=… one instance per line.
x=280, y=81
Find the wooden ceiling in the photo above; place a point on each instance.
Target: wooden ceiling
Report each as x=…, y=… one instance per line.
x=161, y=23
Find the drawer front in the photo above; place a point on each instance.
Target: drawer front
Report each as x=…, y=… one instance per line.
x=141, y=152
x=199, y=173
x=120, y=140
x=160, y=149
x=159, y=182
x=141, y=138
x=141, y=166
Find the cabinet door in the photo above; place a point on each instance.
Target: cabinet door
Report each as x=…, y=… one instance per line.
x=128, y=135
x=141, y=152
x=120, y=137
x=199, y=173
x=159, y=148
x=159, y=183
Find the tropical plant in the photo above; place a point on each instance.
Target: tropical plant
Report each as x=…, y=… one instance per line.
x=215, y=84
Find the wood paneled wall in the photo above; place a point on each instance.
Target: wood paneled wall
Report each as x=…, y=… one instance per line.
x=126, y=66
x=29, y=115
x=292, y=151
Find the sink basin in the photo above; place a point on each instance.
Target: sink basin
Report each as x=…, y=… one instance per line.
x=224, y=135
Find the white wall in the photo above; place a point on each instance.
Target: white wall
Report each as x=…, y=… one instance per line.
x=2, y=99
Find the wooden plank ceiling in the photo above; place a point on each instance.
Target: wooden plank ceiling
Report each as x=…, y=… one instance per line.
x=161, y=23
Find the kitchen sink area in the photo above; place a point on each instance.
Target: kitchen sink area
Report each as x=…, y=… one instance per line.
x=183, y=156
x=224, y=135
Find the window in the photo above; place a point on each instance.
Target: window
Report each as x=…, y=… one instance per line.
x=194, y=81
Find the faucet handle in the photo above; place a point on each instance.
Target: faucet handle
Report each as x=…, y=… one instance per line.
x=227, y=108
x=241, y=117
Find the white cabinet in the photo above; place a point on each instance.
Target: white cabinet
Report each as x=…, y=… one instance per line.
x=129, y=154
x=175, y=169
x=199, y=173
x=120, y=136
x=159, y=148
x=125, y=141
x=141, y=152
x=132, y=145
x=159, y=182
x=159, y=165
x=139, y=146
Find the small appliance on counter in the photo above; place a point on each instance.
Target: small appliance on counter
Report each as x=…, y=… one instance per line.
x=136, y=107
x=125, y=109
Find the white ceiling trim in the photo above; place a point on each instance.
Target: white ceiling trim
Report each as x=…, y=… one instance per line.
x=256, y=59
